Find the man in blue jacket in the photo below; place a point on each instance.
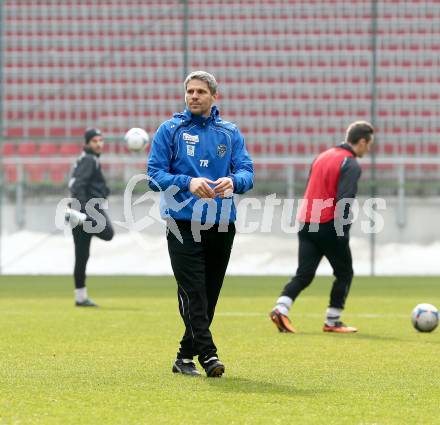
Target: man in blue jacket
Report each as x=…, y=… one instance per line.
x=198, y=161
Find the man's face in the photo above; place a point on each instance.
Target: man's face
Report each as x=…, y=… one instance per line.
x=364, y=147
x=198, y=98
x=96, y=144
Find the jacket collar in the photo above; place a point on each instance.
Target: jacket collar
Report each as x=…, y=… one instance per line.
x=197, y=119
x=90, y=151
x=347, y=147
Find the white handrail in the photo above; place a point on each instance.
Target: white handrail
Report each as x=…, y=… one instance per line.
x=287, y=160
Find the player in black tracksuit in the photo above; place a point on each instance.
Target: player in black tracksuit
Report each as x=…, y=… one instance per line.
x=89, y=190
x=325, y=219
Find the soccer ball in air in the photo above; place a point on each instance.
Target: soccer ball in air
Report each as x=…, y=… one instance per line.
x=424, y=317
x=136, y=139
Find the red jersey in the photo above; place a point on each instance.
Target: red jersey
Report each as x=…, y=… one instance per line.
x=333, y=176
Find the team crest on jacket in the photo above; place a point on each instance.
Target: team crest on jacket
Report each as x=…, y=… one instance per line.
x=221, y=150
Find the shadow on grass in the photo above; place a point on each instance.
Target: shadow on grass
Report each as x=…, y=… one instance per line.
x=431, y=342
x=371, y=337
x=122, y=309
x=243, y=385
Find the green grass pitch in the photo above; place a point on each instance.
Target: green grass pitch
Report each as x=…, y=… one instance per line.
x=112, y=365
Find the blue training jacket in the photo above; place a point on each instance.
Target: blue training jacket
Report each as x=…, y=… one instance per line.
x=189, y=146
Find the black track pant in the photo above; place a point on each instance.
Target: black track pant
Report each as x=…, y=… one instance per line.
x=312, y=247
x=199, y=269
x=82, y=241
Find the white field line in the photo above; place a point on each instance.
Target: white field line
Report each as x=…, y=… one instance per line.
x=256, y=314
x=314, y=315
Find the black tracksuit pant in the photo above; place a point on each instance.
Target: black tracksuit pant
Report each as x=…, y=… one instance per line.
x=312, y=247
x=82, y=242
x=199, y=269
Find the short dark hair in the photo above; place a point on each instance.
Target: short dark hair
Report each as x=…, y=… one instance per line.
x=203, y=76
x=359, y=130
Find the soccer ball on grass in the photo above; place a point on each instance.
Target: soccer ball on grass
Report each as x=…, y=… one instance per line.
x=424, y=317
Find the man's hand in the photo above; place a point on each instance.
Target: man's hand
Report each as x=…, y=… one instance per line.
x=224, y=187
x=199, y=186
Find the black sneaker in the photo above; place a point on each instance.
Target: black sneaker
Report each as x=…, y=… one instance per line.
x=185, y=367
x=86, y=303
x=214, y=368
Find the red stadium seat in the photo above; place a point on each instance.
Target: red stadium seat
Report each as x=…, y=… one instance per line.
x=35, y=173
x=57, y=132
x=433, y=149
x=16, y=132
x=255, y=148
x=37, y=132
x=121, y=148
x=280, y=148
x=274, y=167
x=410, y=149
x=9, y=149
x=429, y=167
x=11, y=174
x=58, y=173
x=389, y=148
x=27, y=149
x=298, y=148
x=76, y=132
x=107, y=148
x=47, y=149
x=69, y=149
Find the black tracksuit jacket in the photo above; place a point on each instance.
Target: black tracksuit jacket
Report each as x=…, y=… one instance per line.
x=87, y=180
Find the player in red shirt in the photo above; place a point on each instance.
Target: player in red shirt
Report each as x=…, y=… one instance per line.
x=325, y=216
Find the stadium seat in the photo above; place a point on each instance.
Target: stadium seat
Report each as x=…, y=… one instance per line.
x=35, y=173
x=255, y=148
x=426, y=168
x=35, y=132
x=9, y=149
x=389, y=148
x=57, y=132
x=11, y=174
x=15, y=132
x=69, y=149
x=410, y=149
x=58, y=173
x=298, y=148
x=27, y=149
x=433, y=149
x=280, y=149
x=47, y=149
x=107, y=148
